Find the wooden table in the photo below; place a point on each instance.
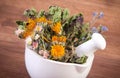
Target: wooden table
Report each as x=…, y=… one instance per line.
x=106, y=63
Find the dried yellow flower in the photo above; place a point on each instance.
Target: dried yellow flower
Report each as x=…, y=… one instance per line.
x=26, y=34
x=54, y=38
x=41, y=19
x=31, y=25
x=57, y=27
x=59, y=39
x=62, y=39
x=57, y=51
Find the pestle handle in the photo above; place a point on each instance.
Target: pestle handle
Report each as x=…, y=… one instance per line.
x=97, y=42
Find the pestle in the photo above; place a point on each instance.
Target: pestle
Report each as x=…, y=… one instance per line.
x=97, y=42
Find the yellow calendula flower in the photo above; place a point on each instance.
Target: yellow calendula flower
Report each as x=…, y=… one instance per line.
x=49, y=22
x=31, y=25
x=41, y=19
x=57, y=51
x=29, y=28
x=57, y=27
x=59, y=39
x=26, y=34
x=62, y=39
x=54, y=38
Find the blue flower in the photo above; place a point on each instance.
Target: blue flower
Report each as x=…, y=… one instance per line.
x=104, y=28
x=94, y=30
x=101, y=15
x=95, y=13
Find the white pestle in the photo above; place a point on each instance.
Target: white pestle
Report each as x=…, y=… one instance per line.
x=97, y=42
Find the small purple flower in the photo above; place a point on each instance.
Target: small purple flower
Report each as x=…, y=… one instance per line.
x=101, y=15
x=95, y=13
x=94, y=30
x=104, y=28
x=80, y=19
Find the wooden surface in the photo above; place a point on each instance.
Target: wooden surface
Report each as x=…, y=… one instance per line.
x=106, y=63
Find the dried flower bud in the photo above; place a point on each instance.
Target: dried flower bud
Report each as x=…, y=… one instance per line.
x=37, y=36
x=17, y=32
x=35, y=45
x=45, y=54
x=28, y=40
x=41, y=52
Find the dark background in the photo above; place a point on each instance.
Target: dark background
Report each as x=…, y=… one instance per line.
x=106, y=63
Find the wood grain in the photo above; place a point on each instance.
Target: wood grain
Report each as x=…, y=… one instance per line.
x=106, y=63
